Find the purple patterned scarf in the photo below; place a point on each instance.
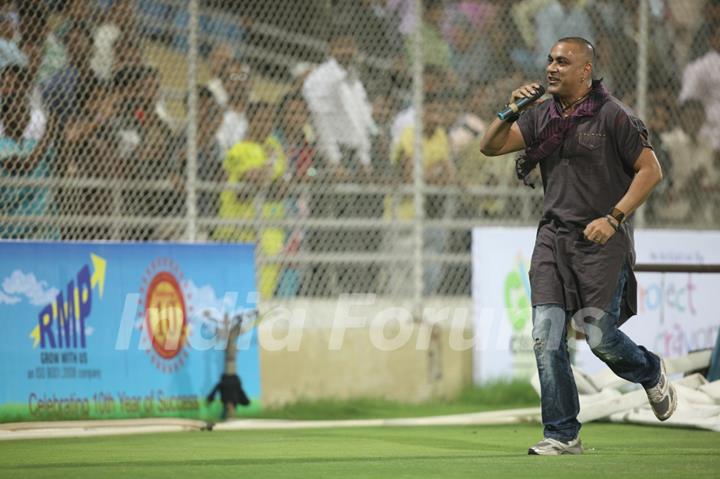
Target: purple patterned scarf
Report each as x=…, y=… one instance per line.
x=552, y=136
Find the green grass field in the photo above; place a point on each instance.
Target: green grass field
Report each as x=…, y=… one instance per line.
x=492, y=452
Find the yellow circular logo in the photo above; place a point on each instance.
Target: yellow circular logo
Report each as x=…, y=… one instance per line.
x=165, y=315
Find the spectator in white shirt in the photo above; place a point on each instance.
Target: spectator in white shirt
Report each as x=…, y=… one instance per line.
x=701, y=81
x=435, y=79
x=340, y=108
x=236, y=79
x=694, y=166
x=221, y=55
x=117, y=29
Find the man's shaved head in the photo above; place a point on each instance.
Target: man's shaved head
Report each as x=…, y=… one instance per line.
x=570, y=67
x=587, y=49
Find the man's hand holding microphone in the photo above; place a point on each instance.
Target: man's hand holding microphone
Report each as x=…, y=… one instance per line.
x=502, y=136
x=520, y=100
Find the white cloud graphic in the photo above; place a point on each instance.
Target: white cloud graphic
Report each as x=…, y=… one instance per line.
x=209, y=310
x=37, y=292
x=204, y=298
x=7, y=299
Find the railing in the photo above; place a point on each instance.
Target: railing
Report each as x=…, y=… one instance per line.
x=676, y=268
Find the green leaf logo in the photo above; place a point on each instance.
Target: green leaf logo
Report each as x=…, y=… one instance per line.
x=517, y=297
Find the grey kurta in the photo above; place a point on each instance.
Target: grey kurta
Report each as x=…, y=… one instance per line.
x=583, y=180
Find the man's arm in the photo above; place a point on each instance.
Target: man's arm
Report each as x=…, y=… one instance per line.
x=25, y=165
x=502, y=137
x=647, y=175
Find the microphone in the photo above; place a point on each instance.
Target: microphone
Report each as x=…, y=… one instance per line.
x=521, y=103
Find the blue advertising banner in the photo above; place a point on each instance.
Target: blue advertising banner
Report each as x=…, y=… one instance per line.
x=105, y=330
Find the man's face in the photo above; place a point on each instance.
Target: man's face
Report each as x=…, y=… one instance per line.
x=715, y=39
x=219, y=57
x=566, y=69
x=343, y=49
x=435, y=113
x=237, y=78
x=692, y=119
x=79, y=48
x=100, y=103
x=383, y=109
x=433, y=15
x=148, y=91
x=659, y=118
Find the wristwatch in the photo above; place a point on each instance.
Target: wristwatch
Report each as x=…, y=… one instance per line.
x=618, y=215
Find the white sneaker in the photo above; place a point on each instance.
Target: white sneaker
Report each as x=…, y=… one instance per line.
x=553, y=447
x=662, y=396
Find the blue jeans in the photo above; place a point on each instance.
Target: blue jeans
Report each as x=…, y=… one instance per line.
x=559, y=396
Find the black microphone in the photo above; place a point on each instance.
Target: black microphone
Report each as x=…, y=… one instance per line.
x=521, y=103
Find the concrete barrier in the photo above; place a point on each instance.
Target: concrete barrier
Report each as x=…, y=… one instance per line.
x=371, y=349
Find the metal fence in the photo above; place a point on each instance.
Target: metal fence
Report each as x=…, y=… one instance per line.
x=340, y=136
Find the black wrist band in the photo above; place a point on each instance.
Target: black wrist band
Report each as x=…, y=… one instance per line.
x=618, y=215
x=616, y=227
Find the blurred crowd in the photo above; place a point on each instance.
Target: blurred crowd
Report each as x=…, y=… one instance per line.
x=81, y=103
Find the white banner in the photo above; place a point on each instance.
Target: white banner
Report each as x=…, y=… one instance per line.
x=676, y=312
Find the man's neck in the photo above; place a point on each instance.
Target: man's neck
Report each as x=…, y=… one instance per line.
x=570, y=102
x=429, y=132
x=346, y=68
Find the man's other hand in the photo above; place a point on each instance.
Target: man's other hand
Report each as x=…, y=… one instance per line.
x=599, y=231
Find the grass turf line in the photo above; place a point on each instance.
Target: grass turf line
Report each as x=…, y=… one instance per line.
x=448, y=452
